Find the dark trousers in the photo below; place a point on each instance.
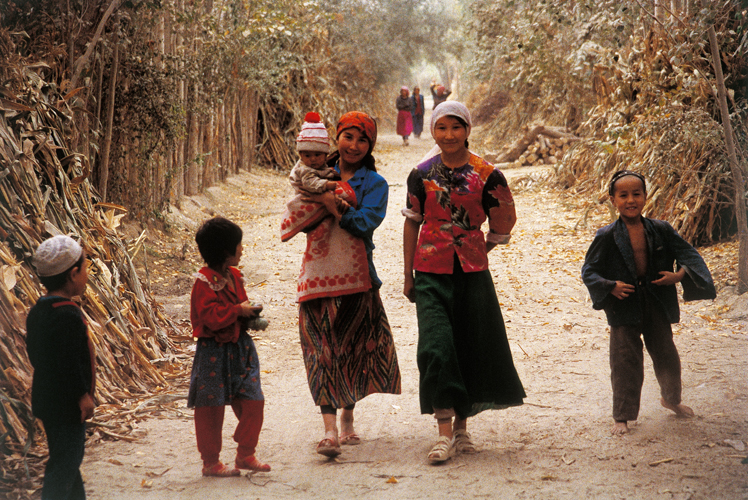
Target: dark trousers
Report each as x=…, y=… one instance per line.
x=627, y=362
x=62, y=477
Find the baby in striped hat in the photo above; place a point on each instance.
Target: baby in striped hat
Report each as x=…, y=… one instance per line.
x=311, y=173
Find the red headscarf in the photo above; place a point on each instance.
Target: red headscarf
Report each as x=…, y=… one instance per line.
x=362, y=122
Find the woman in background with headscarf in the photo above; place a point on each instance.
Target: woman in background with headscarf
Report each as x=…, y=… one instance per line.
x=439, y=94
x=416, y=110
x=404, y=120
x=346, y=338
x=463, y=355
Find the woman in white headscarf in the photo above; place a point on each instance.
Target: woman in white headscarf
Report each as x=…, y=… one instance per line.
x=464, y=358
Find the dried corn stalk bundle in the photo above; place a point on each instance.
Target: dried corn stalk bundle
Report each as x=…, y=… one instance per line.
x=44, y=190
x=654, y=117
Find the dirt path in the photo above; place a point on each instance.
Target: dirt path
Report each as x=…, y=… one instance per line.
x=558, y=445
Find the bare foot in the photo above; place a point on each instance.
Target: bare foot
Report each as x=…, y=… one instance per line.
x=681, y=410
x=346, y=423
x=620, y=428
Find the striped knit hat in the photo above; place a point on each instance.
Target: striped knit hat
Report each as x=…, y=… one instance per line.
x=313, y=135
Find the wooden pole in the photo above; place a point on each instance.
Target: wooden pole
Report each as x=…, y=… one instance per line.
x=737, y=173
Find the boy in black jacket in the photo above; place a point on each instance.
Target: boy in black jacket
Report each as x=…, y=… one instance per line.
x=628, y=271
x=64, y=372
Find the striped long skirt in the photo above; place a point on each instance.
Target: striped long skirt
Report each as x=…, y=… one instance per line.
x=348, y=348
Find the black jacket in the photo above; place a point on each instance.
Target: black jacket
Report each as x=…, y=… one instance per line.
x=610, y=258
x=57, y=344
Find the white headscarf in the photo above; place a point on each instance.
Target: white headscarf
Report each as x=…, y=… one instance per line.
x=451, y=108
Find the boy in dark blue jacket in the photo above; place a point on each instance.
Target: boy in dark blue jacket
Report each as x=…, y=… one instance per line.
x=628, y=271
x=62, y=356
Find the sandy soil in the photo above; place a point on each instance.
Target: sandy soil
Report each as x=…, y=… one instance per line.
x=558, y=445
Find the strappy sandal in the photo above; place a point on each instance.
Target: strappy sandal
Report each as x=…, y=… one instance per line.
x=219, y=469
x=350, y=439
x=251, y=463
x=463, y=441
x=442, y=450
x=329, y=448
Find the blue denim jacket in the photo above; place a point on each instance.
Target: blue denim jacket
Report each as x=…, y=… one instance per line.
x=610, y=258
x=372, y=193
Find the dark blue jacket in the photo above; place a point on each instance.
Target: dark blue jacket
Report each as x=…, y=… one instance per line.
x=57, y=344
x=610, y=258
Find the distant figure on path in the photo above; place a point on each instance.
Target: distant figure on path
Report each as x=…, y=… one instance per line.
x=404, y=120
x=439, y=94
x=417, y=109
x=628, y=271
x=463, y=354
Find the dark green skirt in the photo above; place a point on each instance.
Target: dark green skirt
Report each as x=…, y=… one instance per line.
x=463, y=354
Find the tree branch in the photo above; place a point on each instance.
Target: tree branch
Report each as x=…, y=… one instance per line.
x=83, y=60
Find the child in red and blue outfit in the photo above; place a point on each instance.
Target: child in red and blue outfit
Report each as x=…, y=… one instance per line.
x=226, y=370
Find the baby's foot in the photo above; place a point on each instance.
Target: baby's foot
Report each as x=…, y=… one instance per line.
x=620, y=428
x=680, y=410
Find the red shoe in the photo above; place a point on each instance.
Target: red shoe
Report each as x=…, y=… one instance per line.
x=218, y=469
x=251, y=463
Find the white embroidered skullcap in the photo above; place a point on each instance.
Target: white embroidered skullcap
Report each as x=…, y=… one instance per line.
x=56, y=255
x=313, y=135
x=451, y=108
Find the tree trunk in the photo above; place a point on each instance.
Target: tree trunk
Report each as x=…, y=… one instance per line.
x=190, y=172
x=83, y=60
x=239, y=135
x=737, y=173
x=253, y=105
x=209, y=149
x=221, y=142
x=177, y=178
x=71, y=41
x=104, y=163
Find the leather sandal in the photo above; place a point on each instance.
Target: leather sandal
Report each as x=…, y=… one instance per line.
x=251, y=463
x=219, y=469
x=463, y=442
x=442, y=450
x=329, y=448
x=350, y=439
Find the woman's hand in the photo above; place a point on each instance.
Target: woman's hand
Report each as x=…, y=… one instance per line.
x=409, y=288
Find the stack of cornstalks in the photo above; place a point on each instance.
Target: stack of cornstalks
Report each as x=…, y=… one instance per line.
x=44, y=191
x=656, y=117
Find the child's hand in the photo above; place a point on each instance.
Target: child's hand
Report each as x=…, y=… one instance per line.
x=250, y=309
x=331, y=186
x=622, y=290
x=87, y=406
x=669, y=278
